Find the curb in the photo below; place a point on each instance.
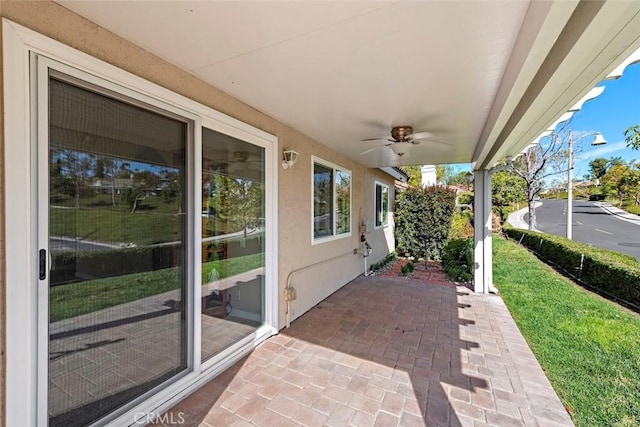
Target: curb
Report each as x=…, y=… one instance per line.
x=618, y=213
x=516, y=219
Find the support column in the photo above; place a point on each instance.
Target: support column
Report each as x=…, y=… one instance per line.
x=483, y=258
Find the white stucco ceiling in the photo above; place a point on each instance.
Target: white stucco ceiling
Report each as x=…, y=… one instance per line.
x=470, y=72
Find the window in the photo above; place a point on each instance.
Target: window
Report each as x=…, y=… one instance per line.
x=382, y=205
x=331, y=200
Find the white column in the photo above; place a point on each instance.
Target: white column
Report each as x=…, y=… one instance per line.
x=483, y=259
x=429, y=175
x=570, y=191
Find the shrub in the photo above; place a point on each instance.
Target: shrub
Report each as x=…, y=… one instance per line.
x=613, y=273
x=496, y=222
x=457, y=259
x=423, y=219
x=461, y=227
x=392, y=256
x=407, y=269
x=465, y=197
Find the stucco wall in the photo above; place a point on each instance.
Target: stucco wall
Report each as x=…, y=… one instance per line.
x=2, y=246
x=295, y=245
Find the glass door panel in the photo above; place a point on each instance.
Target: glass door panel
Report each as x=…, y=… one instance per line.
x=117, y=239
x=233, y=211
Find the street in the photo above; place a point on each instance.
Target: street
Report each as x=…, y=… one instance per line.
x=591, y=224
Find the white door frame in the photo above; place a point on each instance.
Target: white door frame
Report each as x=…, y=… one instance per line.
x=23, y=226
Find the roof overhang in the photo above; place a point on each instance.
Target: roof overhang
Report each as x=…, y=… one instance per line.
x=485, y=77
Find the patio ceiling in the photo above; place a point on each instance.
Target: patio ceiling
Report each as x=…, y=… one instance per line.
x=486, y=77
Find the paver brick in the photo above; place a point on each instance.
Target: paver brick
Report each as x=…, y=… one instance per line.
x=387, y=351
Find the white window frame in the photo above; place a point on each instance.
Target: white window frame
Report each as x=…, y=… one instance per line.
x=375, y=204
x=333, y=236
x=21, y=221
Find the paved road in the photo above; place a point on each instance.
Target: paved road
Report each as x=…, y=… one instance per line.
x=591, y=224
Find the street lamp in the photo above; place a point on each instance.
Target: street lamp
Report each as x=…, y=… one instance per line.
x=599, y=140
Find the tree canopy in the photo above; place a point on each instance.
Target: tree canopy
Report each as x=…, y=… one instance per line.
x=632, y=137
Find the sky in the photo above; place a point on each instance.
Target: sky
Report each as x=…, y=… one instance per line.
x=616, y=109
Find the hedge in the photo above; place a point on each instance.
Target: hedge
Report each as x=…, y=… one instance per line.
x=70, y=266
x=423, y=219
x=73, y=266
x=613, y=273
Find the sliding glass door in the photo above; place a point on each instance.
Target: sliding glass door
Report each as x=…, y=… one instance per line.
x=153, y=241
x=233, y=240
x=118, y=245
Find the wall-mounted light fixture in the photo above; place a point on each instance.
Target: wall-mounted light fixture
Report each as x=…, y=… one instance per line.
x=289, y=158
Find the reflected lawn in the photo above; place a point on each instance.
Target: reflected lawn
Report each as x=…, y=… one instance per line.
x=75, y=299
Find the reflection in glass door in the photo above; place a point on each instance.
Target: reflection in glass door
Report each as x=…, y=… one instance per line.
x=117, y=239
x=233, y=255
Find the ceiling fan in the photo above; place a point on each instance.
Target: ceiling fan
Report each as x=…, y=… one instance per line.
x=236, y=162
x=403, y=138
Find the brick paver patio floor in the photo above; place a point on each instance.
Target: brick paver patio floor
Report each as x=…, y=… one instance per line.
x=387, y=351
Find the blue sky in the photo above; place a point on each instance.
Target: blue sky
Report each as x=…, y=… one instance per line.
x=617, y=108
x=610, y=114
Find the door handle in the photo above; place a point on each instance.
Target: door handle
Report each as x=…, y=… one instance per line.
x=43, y=263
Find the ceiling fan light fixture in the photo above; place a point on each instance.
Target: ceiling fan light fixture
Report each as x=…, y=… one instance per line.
x=401, y=148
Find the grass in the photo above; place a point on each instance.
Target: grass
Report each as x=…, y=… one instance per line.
x=631, y=207
x=588, y=347
x=79, y=298
x=154, y=222
x=232, y=266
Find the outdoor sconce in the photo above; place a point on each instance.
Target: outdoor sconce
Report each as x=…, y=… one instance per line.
x=289, y=158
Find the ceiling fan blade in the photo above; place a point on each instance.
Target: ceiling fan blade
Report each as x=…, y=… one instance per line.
x=420, y=135
x=380, y=138
x=438, y=145
x=379, y=146
x=370, y=150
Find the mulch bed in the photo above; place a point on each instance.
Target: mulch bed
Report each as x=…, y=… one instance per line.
x=428, y=271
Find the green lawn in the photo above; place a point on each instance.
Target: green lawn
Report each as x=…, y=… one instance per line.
x=154, y=222
x=631, y=207
x=232, y=266
x=588, y=347
x=85, y=297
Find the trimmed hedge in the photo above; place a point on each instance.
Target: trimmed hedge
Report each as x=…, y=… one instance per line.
x=70, y=266
x=73, y=266
x=423, y=219
x=613, y=273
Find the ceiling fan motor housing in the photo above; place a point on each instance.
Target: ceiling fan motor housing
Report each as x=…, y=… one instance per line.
x=400, y=133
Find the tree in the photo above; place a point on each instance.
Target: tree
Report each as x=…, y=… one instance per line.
x=613, y=161
x=443, y=174
x=538, y=162
x=237, y=201
x=415, y=175
x=507, y=188
x=632, y=137
x=110, y=168
x=624, y=180
x=598, y=167
x=75, y=167
x=459, y=179
x=630, y=184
